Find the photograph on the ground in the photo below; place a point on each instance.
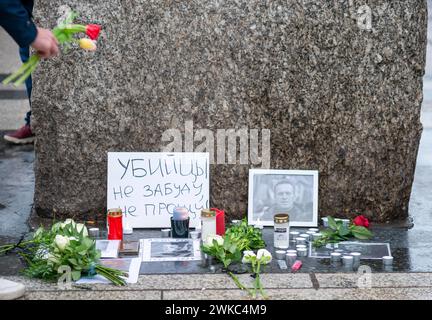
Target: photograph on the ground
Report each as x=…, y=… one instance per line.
x=170, y=249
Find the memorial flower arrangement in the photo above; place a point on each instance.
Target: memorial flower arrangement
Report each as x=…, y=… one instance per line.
x=262, y=257
x=64, y=34
x=66, y=244
x=248, y=236
x=235, y=247
x=338, y=231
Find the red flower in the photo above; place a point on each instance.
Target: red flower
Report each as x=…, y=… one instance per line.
x=361, y=221
x=92, y=30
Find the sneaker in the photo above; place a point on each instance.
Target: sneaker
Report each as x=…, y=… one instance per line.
x=10, y=290
x=21, y=136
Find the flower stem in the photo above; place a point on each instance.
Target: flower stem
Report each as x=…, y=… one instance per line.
x=239, y=285
x=29, y=71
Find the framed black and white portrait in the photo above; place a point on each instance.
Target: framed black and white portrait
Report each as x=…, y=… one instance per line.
x=283, y=191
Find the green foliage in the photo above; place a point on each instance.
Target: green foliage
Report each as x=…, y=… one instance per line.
x=247, y=237
x=65, y=244
x=339, y=232
x=228, y=252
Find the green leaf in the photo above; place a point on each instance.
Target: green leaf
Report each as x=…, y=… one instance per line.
x=361, y=233
x=343, y=230
x=76, y=275
x=87, y=242
x=73, y=261
x=233, y=248
x=332, y=223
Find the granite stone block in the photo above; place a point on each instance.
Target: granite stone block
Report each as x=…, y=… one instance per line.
x=337, y=83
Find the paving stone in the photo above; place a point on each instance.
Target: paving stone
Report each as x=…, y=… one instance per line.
x=91, y=295
x=378, y=280
x=307, y=294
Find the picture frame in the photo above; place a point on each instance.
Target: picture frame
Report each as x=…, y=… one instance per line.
x=274, y=191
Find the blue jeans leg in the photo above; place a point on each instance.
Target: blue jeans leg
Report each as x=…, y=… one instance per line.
x=25, y=54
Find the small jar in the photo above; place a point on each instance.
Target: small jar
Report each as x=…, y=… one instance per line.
x=281, y=231
x=208, y=224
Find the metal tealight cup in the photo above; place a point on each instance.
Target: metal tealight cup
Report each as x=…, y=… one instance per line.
x=356, y=256
x=290, y=258
x=302, y=252
x=316, y=236
x=387, y=260
x=348, y=260
x=335, y=256
x=166, y=233
x=300, y=240
x=294, y=235
x=94, y=233
x=305, y=236
x=280, y=254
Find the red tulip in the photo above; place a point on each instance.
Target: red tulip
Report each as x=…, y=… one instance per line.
x=93, y=30
x=361, y=221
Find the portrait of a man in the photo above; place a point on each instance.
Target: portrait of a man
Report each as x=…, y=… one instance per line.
x=283, y=191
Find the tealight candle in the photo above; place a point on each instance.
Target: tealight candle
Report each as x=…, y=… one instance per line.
x=387, y=260
x=348, y=260
x=166, y=233
x=335, y=256
x=302, y=252
x=305, y=236
x=316, y=236
x=301, y=240
x=280, y=254
x=294, y=235
x=356, y=256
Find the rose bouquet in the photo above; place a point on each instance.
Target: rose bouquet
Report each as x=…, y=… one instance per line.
x=66, y=244
x=64, y=34
x=338, y=231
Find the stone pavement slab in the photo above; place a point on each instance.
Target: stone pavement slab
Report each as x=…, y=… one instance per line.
x=220, y=287
x=378, y=280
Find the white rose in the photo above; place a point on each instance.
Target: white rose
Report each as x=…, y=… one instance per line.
x=219, y=240
x=247, y=256
x=264, y=256
x=81, y=226
x=61, y=242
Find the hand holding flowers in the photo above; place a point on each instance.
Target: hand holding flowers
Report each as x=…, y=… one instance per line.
x=64, y=35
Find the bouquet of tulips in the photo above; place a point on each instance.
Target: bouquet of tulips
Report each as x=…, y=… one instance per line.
x=66, y=246
x=64, y=33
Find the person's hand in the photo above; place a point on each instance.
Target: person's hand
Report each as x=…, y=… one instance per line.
x=45, y=44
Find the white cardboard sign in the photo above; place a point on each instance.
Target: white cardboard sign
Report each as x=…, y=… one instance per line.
x=147, y=186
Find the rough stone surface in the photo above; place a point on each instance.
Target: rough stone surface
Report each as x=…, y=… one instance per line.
x=337, y=97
